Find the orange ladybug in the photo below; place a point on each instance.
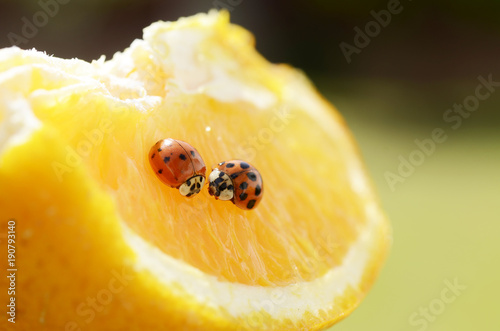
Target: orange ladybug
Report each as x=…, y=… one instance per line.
x=179, y=165
x=237, y=181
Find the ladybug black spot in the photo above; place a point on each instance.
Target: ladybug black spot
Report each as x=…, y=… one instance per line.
x=159, y=149
x=258, y=189
x=153, y=156
x=229, y=165
x=243, y=196
x=192, y=153
x=244, y=165
x=233, y=176
x=160, y=171
x=183, y=157
x=252, y=176
x=166, y=159
x=243, y=185
x=250, y=204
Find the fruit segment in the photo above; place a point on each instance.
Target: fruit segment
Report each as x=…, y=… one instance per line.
x=105, y=245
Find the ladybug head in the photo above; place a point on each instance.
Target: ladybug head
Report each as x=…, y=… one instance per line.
x=192, y=186
x=220, y=185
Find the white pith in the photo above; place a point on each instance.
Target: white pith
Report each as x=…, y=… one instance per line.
x=290, y=301
x=17, y=121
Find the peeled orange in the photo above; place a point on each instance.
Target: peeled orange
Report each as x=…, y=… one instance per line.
x=102, y=244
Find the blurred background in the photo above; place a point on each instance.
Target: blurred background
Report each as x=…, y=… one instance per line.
x=394, y=85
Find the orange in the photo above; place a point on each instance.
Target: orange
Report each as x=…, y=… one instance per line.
x=102, y=244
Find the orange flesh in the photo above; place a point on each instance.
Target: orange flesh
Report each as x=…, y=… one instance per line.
x=307, y=200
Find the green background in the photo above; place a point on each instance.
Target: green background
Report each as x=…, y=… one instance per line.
x=446, y=214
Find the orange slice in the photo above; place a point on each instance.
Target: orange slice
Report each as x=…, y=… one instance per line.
x=102, y=244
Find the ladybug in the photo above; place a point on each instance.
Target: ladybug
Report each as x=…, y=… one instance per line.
x=179, y=165
x=237, y=181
